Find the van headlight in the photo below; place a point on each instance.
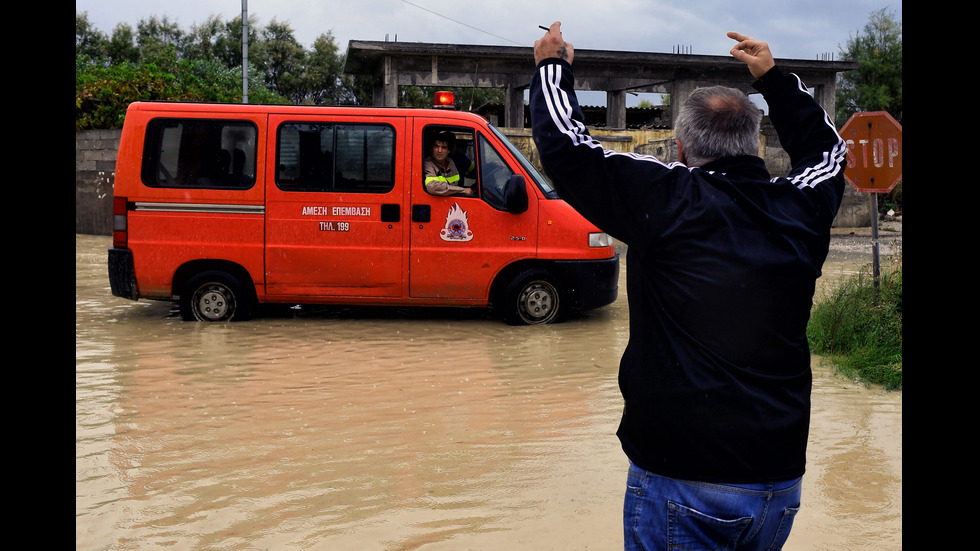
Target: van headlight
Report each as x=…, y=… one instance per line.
x=600, y=239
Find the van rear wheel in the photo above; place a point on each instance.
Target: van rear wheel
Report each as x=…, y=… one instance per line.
x=531, y=299
x=214, y=296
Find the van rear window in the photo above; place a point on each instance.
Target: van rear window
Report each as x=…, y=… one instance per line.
x=199, y=153
x=333, y=157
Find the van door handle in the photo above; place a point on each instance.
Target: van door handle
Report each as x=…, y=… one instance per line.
x=390, y=213
x=421, y=213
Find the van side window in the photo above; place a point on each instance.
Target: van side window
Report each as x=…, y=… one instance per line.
x=494, y=174
x=199, y=153
x=335, y=157
x=440, y=177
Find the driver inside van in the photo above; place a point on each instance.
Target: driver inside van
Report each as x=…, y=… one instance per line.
x=441, y=174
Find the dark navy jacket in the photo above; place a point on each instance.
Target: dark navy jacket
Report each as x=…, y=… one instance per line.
x=721, y=266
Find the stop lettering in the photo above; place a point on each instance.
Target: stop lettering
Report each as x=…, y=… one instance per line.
x=874, y=151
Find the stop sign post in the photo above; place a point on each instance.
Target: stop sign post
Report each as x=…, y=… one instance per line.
x=874, y=161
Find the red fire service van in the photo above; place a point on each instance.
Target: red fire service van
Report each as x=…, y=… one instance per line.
x=221, y=207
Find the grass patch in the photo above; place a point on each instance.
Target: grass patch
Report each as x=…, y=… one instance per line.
x=859, y=328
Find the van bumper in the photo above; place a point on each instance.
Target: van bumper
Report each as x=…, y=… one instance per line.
x=122, y=276
x=593, y=283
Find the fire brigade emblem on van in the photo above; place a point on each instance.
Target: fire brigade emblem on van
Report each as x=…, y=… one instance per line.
x=457, y=226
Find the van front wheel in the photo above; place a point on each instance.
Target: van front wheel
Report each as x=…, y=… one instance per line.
x=531, y=299
x=214, y=296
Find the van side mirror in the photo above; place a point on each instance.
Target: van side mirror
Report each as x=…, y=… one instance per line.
x=515, y=194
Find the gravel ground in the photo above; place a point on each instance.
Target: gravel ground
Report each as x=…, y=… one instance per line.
x=855, y=244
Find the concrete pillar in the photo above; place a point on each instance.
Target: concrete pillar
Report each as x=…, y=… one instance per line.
x=386, y=84
x=514, y=106
x=616, y=109
x=825, y=94
x=680, y=89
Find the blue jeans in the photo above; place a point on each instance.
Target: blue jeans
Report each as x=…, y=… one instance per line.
x=662, y=513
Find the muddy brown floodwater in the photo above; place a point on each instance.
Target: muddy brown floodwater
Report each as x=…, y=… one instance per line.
x=397, y=429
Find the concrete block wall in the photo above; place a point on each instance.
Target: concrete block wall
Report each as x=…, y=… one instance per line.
x=95, y=171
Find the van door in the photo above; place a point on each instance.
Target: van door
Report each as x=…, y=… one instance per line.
x=459, y=242
x=334, y=221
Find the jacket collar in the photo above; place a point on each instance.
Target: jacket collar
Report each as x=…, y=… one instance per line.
x=742, y=166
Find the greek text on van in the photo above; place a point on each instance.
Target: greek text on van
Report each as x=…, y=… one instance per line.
x=336, y=211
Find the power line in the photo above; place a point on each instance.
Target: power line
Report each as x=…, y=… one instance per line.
x=461, y=23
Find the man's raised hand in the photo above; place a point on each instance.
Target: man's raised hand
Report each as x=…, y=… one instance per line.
x=753, y=53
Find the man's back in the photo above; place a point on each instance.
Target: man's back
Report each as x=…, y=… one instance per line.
x=717, y=372
x=721, y=267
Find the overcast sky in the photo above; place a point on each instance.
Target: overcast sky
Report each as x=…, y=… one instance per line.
x=800, y=29
x=797, y=29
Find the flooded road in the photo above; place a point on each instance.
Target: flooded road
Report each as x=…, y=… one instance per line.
x=395, y=429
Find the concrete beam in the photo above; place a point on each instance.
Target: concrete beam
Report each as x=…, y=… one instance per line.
x=394, y=64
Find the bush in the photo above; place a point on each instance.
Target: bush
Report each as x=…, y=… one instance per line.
x=103, y=92
x=859, y=327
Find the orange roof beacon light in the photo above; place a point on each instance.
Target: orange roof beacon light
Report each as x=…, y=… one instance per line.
x=444, y=100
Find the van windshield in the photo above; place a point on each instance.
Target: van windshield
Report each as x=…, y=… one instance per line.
x=539, y=179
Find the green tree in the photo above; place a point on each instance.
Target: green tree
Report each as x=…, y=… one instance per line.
x=207, y=40
x=467, y=99
x=122, y=46
x=284, y=60
x=359, y=89
x=228, y=45
x=161, y=61
x=877, y=83
x=324, y=81
x=159, y=39
x=90, y=42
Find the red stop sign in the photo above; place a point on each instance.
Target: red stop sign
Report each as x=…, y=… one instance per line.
x=874, y=151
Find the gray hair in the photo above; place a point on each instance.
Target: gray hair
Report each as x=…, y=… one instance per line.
x=717, y=122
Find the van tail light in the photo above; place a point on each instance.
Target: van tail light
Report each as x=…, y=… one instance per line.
x=444, y=100
x=120, y=227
